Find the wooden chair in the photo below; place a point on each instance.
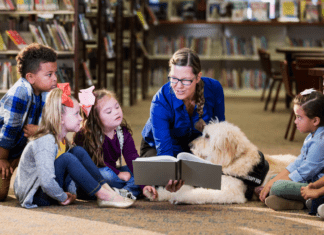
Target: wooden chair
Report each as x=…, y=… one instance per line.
x=304, y=80
x=271, y=76
x=288, y=84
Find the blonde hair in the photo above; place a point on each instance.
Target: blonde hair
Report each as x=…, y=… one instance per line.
x=51, y=122
x=187, y=57
x=92, y=129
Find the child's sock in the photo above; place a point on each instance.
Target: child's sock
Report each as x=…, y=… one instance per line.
x=278, y=203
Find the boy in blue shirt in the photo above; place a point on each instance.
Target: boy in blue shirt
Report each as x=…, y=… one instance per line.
x=21, y=107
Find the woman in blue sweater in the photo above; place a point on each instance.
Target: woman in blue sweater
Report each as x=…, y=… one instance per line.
x=181, y=109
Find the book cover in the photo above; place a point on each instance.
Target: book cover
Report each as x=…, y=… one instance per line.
x=3, y=46
x=311, y=12
x=260, y=11
x=187, y=167
x=239, y=11
x=288, y=11
x=10, y=4
x=89, y=79
x=42, y=35
x=53, y=39
x=213, y=9
x=142, y=20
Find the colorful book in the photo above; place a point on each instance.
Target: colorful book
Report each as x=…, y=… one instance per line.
x=142, y=20
x=109, y=47
x=187, y=167
x=89, y=79
x=288, y=11
x=239, y=11
x=260, y=11
x=3, y=46
x=213, y=8
x=311, y=12
x=10, y=4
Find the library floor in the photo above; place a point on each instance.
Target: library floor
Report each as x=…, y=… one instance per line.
x=264, y=128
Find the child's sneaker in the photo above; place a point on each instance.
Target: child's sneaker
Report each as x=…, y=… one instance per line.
x=278, y=203
x=125, y=193
x=309, y=204
x=320, y=211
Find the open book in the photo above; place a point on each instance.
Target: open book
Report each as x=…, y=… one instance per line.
x=187, y=167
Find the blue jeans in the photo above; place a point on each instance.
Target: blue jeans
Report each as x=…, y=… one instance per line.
x=75, y=165
x=114, y=181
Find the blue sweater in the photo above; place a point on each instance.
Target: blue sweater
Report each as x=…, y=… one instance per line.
x=170, y=128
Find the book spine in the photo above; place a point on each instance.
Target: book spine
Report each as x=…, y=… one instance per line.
x=66, y=38
x=52, y=37
x=42, y=35
x=10, y=5
x=59, y=33
x=3, y=46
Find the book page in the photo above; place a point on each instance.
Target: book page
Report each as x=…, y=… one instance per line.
x=162, y=158
x=191, y=157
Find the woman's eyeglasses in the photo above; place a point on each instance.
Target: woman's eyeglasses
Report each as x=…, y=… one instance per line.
x=185, y=82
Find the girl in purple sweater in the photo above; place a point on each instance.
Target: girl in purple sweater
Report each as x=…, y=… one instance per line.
x=106, y=137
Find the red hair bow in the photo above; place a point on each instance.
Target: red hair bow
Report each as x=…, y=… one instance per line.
x=66, y=100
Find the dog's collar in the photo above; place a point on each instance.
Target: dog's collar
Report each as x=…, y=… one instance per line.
x=256, y=176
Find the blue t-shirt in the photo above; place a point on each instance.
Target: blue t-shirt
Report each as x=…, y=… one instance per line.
x=170, y=128
x=309, y=165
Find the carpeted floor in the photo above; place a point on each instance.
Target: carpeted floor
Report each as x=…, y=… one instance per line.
x=264, y=128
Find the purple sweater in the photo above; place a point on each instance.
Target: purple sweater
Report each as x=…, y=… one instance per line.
x=111, y=149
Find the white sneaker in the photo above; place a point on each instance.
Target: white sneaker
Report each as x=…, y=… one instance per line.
x=320, y=211
x=125, y=193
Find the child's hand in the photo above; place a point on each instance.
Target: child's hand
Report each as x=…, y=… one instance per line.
x=309, y=192
x=150, y=192
x=70, y=199
x=124, y=175
x=5, y=168
x=29, y=130
x=265, y=191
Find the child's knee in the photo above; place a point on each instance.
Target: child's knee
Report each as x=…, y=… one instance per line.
x=78, y=150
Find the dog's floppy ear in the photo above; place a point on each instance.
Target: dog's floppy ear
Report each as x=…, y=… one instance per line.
x=230, y=148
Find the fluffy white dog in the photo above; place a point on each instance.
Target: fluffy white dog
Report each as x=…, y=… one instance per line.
x=225, y=144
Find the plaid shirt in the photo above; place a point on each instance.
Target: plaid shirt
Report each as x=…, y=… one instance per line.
x=18, y=107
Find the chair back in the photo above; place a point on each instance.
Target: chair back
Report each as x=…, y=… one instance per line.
x=265, y=62
x=287, y=81
x=303, y=79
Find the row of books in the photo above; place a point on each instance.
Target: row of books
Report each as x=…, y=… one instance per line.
x=308, y=42
x=229, y=78
x=243, y=46
x=203, y=46
x=55, y=36
x=208, y=46
x=227, y=10
x=85, y=28
x=242, y=78
x=9, y=75
x=38, y=5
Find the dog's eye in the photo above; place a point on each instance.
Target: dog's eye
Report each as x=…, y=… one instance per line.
x=207, y=136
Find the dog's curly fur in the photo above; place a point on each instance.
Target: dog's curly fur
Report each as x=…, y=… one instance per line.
x=225, y=144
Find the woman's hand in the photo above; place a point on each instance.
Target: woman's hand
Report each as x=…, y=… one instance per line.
x=150, y=192
x=174, y=186
x=70, y=199
x=124, y=175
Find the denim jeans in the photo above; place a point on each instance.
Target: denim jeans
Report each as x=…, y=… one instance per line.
x=75, y=165
x=114, y=181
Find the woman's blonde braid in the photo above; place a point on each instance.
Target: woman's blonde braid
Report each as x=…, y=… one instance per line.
x=200, y=101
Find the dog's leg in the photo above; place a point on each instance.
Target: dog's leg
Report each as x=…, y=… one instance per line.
x=232, y=191
x=163, y=194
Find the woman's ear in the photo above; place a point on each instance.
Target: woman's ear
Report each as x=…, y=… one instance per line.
x=30, y=78
x=199, y=76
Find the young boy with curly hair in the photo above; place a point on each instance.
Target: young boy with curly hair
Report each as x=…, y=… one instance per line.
x=21, y=107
